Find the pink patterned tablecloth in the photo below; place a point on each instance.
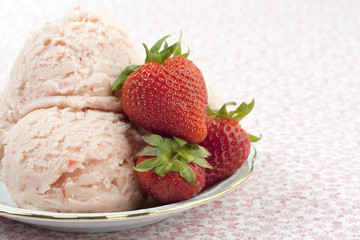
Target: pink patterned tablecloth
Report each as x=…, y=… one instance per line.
x=299, y=59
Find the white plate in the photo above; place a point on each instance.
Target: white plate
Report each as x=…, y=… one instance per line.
x=118, y=221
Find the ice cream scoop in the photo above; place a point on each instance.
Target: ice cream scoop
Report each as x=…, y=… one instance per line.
x=73, y=161
x=72, y=62
x=64, y=144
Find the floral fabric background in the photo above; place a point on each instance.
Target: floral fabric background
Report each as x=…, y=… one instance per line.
x=300, y=60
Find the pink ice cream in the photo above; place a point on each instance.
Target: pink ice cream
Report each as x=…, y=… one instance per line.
x=65, y=145
x=73, y=161
x=69, y=63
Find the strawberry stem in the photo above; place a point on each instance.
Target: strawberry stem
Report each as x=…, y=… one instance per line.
x=237, y=115
x=172, y=155
x=155, y=55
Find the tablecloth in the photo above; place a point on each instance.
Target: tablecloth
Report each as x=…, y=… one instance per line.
x=299, y=60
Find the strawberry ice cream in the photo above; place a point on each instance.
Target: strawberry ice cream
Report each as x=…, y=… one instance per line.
x=73, y=161
x=64, y=144
x=215, y=99
x=69, y=63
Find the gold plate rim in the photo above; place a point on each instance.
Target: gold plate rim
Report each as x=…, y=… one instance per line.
x=141, y=214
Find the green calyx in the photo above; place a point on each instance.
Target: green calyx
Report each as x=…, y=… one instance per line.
x=172, y=154
x=238, y=114
x=152, y=55
x=122, y=77
x=254, y=138
x=157, y=56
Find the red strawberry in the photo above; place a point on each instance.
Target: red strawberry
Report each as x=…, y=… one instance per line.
x=227, y=142
x=166, y=95
x=171, y=170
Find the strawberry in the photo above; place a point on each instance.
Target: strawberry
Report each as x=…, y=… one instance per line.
x=171, y=170
x=227, y=142
x=166, y=95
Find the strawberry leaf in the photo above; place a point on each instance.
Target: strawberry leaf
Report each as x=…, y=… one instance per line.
x=243, y=110
x=148, y=151
x=185, y=55
x=154, y=140
x=177, y=166
x=151, y=57
x=186, y=155
x=180, y=141
x=177, y=51
x=200, y=151
x=157, y=45
x=167, y=52
x=254, y=138
x=238, y=114
x=172, y=154
x=122, y=77
x=163, y=169
x=222, y=112
x=210, y=111
x=149, y=164
x=165, y=152
x=187, y=173
x=202, y=163
x=155, y=54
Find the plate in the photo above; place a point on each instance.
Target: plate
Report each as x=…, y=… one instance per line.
x=118, y=221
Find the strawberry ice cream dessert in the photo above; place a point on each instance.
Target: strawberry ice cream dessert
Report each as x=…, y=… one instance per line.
x=65, y=143
x=62, y=159
x=69, y=63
